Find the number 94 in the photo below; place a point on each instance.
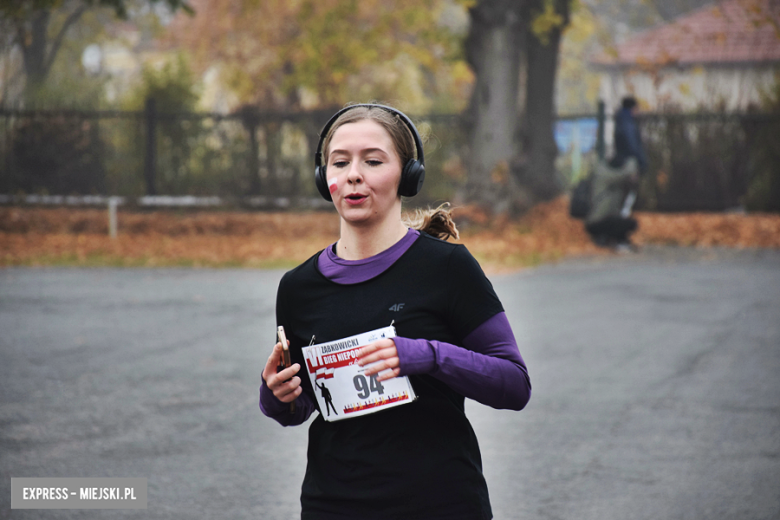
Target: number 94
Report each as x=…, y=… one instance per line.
x=365, y=387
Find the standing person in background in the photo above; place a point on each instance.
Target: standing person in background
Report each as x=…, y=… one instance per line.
x=614, y=184
x=418, y=460
x=628, y=141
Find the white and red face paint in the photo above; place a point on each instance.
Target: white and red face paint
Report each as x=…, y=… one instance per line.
x=332, y=185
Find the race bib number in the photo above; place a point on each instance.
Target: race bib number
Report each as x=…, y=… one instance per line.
x=340, y=384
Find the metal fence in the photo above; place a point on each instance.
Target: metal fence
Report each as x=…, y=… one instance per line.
x=247, y=157
x=711, y=162
x=697, y=162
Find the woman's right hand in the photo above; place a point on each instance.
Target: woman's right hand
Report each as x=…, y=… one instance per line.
x=285, y=385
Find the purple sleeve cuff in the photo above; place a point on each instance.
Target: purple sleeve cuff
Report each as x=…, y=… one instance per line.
x=415, y=356
x=280, y=412
x=489, y=369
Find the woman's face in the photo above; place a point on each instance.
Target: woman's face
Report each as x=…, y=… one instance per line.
x=363, y=171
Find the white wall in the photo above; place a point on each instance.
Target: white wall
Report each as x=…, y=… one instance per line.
x=689, y=88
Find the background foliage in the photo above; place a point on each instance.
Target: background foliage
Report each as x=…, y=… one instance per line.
x=306, y=54
x=243, y=86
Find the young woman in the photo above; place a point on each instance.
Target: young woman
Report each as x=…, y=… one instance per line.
x=419, y=460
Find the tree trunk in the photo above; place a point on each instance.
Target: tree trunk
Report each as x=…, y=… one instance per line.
x=39, y=48
x=536, y=170
x=493, y=49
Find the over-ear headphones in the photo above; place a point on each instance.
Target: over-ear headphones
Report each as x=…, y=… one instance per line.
x=412, y=175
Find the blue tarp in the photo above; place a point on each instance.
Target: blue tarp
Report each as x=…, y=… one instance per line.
x=565, y=133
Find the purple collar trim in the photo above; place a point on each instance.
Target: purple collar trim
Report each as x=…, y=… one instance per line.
x=348, y=272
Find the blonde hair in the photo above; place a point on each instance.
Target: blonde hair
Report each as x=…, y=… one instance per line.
x=436, y=222
x=400, y=135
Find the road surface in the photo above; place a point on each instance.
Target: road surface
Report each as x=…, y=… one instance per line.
x=655, y=389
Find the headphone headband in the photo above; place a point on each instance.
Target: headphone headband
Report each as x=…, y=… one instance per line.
x=413, y=172
x=415, y=134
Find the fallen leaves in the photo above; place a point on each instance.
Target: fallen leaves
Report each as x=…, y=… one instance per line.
x=709, y=229
x=66, y=236
x=33, y=236
x=546, y=233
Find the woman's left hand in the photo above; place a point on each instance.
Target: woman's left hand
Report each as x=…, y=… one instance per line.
x=384, y=356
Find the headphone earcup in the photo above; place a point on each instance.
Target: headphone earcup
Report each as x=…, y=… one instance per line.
x=412, y=178
x=412, y=175
x=321, y=181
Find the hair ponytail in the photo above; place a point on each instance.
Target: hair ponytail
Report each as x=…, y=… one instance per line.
x=436, y=222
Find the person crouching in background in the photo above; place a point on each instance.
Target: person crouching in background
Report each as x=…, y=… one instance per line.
x=614, y=184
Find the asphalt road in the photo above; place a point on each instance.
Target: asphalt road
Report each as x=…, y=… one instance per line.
x=656, y=389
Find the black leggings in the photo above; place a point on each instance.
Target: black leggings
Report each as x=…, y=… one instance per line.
x=613, y=228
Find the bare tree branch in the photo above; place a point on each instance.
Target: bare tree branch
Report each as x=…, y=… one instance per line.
x=55, y=47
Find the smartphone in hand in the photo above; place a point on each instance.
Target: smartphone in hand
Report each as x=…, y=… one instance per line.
x=286, y=362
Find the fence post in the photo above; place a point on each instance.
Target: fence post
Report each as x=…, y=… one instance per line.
x=600, y=142
x=112, y=204
x=150, y=156
x=254, y=161
x=250, y=117
x=576, y=150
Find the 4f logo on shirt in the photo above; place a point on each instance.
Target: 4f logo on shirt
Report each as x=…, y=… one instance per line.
x=397, y=307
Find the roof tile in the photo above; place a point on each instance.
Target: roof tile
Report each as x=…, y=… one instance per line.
x=729, y=32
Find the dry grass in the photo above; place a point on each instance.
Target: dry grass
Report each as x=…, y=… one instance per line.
x=64, y=236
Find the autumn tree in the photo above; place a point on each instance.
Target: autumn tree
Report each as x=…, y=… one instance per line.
x=494, y=50
x=536, y=169
x=577, y=85
x=293, y=54
x=39, y=27
x=513, y=48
